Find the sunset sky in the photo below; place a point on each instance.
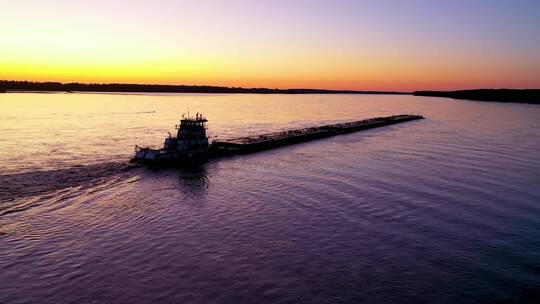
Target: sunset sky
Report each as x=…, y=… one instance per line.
x=364, y=45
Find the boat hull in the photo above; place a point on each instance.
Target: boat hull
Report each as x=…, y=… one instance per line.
x=161, y=159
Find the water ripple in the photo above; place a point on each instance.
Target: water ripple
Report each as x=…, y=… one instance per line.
x=440, y=210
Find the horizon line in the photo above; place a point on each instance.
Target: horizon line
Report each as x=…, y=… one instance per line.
x=26, y=85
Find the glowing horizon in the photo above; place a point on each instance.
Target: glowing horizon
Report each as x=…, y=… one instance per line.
x=368, y=45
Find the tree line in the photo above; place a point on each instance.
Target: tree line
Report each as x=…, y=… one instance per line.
x=158, y=88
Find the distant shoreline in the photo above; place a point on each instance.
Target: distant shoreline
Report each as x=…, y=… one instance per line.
x=25, y=86
x=531, y=96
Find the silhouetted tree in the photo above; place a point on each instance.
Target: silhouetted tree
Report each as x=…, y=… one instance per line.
x=499, y=95
x=156, y=88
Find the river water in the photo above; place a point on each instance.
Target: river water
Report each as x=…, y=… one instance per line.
x=440, y=210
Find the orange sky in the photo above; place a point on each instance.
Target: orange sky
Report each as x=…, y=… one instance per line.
x=368, y=45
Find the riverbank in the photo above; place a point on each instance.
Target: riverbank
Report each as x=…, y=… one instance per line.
x=498, y=95
x=531, y=96
x=27, y=86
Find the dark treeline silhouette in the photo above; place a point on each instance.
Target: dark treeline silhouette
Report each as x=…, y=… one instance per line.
x=500, y=95
x=158, y=88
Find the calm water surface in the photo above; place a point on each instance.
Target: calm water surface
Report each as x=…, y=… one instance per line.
x=441, y=210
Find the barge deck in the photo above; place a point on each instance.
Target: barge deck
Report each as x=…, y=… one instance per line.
x=248, y=144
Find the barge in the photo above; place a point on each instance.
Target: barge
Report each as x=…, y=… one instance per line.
x=191, y=146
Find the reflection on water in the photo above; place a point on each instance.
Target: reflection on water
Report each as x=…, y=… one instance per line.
x=193, y=179
x=439, y=210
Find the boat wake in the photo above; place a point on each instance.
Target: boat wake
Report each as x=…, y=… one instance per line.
x=18, y=190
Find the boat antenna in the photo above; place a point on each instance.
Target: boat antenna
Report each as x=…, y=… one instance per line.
x=188, y=112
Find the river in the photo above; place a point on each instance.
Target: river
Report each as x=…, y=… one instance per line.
x=440, y=210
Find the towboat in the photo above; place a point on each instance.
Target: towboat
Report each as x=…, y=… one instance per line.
x=188, y=147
